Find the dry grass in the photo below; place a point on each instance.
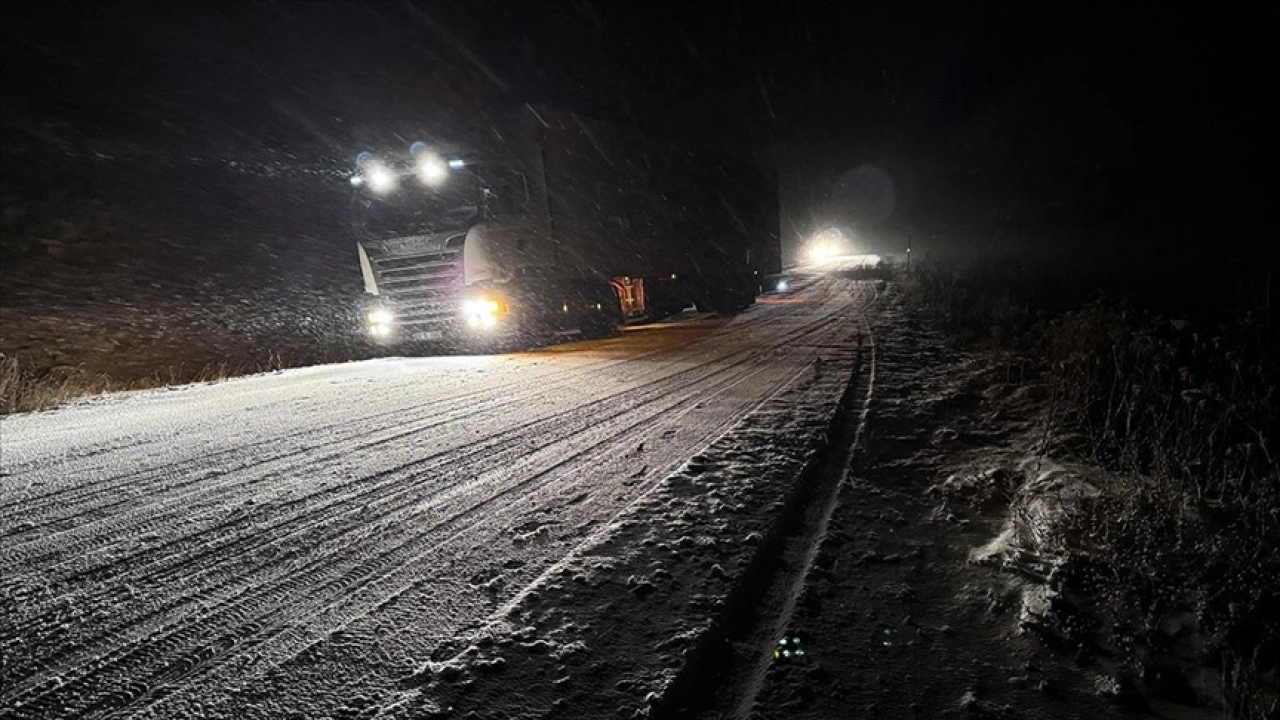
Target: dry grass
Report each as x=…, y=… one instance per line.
x=1180, y=555
x=24, y=389
x=1175, y=565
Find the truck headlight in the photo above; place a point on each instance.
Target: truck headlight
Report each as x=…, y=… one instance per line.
x=381, y=316
x=431, y=169
x=380, y=178
x=482, y=312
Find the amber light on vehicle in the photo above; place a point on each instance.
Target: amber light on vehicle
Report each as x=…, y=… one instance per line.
x=483, y=312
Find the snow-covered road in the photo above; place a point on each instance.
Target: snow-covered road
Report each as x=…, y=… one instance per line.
x=162, y=552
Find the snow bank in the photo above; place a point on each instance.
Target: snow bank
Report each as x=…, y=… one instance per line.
x=1042, y=540
x=1036, y=529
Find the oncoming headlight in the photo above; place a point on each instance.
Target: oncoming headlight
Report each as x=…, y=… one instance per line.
x=482, y=312
x=381, y=316
x=380, y=178
x=822, y=251
x=432, y=171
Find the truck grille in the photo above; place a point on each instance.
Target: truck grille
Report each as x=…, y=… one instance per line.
x=422, y=288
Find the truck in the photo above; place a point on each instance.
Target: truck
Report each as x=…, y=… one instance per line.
x=555, y=225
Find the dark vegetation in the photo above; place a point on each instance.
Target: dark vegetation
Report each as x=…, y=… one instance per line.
x=1173, y=567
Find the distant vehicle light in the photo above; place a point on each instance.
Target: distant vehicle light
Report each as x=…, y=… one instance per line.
x=357, y=180
x=381, y=180
x=431, y=169
x=781, y=286
x=827, y=244
x=456, y=164
x=820, y=251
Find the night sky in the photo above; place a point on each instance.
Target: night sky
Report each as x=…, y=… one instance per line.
x=1136, y=136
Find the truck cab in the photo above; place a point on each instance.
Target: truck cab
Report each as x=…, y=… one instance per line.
x=558, y=225
x=459, y=252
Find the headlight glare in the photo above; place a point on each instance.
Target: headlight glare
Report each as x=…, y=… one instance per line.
x=482, y=306
x=380, y=178
x=482, y=312
x=431, y=169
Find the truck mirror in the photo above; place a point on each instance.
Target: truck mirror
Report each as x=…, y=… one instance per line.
x=489, y=202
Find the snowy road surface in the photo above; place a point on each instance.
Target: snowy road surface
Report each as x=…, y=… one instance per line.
x=166, y=550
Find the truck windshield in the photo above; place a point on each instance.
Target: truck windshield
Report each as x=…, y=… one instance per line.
x=417, y=210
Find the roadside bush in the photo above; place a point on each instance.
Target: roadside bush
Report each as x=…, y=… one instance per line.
x=1181, y=554
x=25, y=389
x=1174, y=564
x=22, y=389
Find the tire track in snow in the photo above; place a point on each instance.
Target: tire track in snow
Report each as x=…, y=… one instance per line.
x=87, y=493
x=225, y=548
x=695, y=380
x=542, y=391
x=724, y=677
x=573, y=547
x=396, y=612
x=289, y=641
x=558, y=374
x=78, y=552
x=106, y=513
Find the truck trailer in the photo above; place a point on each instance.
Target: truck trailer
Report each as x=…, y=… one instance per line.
x=555, y=225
